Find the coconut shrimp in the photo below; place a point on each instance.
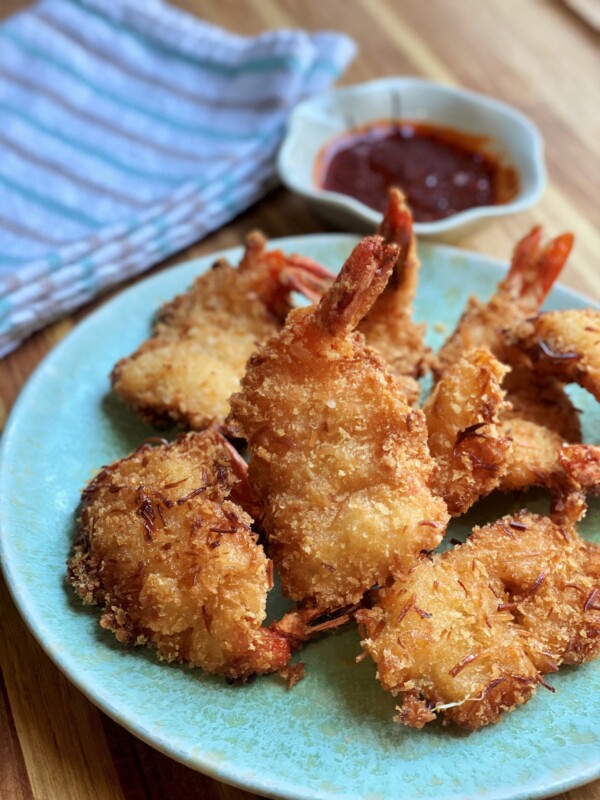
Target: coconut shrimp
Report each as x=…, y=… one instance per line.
x=581, y=463
x=338, y=458
x=539, y=416
x=389, y=327
x=470, y=449
x=532, y=272
x=551, y=577
x=170, y=555
x=441, y=641
x=539, y=419
x=563, y=344
x=470, y=633
x=187, y=370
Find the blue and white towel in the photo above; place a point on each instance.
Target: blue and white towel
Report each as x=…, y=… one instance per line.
x=128, y=130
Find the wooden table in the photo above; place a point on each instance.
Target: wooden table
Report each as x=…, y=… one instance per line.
x=537, y=55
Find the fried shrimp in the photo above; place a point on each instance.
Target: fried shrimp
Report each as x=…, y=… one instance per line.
x=543, y=401
x=389, y=327
x=339, y=459
x=532, y=272
x=468, y=444
x=551, y=576
x=581, y=462
x=563, y=344
x=471, y=632
x=187, y=370
x=539, y=419
x=171, y=558
x=440, y=641
x=538, y=416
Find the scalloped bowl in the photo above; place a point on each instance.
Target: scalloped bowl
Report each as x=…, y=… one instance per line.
x=511, y=137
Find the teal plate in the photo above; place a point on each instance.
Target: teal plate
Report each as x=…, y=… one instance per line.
x=332, y=736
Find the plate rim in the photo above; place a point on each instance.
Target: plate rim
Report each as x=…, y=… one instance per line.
x=24, y=601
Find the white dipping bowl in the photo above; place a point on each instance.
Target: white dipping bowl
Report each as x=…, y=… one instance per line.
x=511, y=137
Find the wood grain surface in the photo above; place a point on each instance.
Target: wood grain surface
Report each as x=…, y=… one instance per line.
x=536, y=54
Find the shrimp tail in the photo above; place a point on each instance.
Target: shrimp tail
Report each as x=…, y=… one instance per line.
x=241, y=493
x=255, y=247
x=397, y=228
x=303, y=624
x=396, y=225
x=275, y=274
x=534, y=269
x=362, y=279
x=306, y=276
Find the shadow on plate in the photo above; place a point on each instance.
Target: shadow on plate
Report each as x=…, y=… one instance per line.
x=128, y=429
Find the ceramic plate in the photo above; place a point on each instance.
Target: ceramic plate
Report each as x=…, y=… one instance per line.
x=332, y=736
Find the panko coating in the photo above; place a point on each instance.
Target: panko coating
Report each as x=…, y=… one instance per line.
x=541, y=400
x=173, y=561
x=539, y=416
x=388, y=326
x=471, y=632
x=551, y=576
x=187, y=370
x=564, y=344
x=338, y=457
x=465, y=438
x=581, y=463
x=539, y=419
x=532, y=272
x=439, y=640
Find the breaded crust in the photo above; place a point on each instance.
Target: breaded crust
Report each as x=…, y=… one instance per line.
x=471, y=632
x=173, y=560
x=339, y=459
x=465, y=438
x=564, y=344
x=186, y=372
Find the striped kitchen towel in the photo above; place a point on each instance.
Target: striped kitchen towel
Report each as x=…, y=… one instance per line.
x=129, y=130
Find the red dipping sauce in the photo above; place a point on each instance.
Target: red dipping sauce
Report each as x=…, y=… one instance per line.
x=440, y=170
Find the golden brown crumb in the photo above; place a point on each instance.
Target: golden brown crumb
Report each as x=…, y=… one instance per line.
x=581, y=462
x=338, y=457
x=173, y=560
x=540, y=416
x=438, y=637
x=563, y=344
x=532, y=272
x=470, y=449
x=539, y=419
x=470, y=633
x=187, y=370
x=292, y=674
x=550, y=573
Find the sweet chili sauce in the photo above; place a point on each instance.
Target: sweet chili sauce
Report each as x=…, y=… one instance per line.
x=440, y=170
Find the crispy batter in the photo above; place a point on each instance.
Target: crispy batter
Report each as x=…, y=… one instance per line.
x=173, y=560
x=389, y=327
x=541, y=400
x=551, y=574
x=539, y=419
x=581, y=462
x=470, y=633
x=439, y=640
x=564, y=344
x=533, y=460
x=470, y=449
x=532, y=272
x=539, y=416
x=338, y=457
x=187, y=370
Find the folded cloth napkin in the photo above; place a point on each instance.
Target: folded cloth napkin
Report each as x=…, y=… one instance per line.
x=129, y=130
